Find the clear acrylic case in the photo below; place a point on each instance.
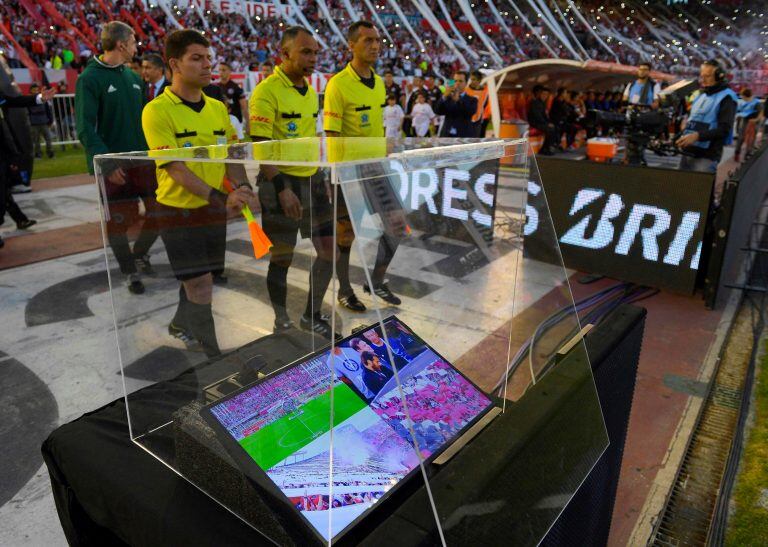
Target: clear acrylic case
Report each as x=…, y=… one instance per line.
x=464, y=412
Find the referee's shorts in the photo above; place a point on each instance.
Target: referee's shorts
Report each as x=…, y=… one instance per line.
x=195, y=239
x=317, y=212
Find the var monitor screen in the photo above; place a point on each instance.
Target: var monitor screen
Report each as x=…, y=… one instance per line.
x=280, y=426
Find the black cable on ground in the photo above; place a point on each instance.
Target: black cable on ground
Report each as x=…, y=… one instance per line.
x=600, y=304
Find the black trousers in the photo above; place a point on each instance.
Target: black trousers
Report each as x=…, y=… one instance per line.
x=122, y=208
x=551, y=136
x=316, y=224
x=380, y=197
x=7, y=203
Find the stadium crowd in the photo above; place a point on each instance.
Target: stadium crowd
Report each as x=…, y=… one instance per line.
x=57, y=34
x=250, y=411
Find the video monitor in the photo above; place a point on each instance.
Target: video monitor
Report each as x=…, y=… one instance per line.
x=280, y=426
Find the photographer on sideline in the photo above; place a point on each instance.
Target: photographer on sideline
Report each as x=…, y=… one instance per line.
x=710, y=124
x=644, y=91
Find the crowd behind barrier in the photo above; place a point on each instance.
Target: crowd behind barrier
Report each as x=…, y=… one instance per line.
x=57, y=34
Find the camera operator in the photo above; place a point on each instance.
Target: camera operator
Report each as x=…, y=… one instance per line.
x=644, y=91
x=641, y=95
x=710, y=123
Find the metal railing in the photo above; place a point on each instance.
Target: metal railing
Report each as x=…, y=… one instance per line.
x=63, y=129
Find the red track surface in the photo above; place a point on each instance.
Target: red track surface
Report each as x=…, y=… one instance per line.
x=678, y=333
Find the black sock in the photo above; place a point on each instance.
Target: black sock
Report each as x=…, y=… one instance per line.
x=342, y=271
x=277, y=287
x=322, y=271
x=202, y=327
x=386, y=252
x=180, y=319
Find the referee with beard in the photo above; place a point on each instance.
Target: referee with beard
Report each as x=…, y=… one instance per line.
x=192, y=203
x=294, y=199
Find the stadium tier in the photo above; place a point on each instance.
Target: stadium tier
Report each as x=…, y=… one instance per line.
x=420, y=37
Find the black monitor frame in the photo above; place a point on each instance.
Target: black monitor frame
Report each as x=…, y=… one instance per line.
x=261, y=479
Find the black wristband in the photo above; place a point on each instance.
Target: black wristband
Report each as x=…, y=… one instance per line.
x=217, y=197
x=279, y=182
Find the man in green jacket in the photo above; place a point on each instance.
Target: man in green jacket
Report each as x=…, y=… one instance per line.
x=109, y=99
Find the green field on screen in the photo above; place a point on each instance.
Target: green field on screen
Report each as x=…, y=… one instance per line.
x=278, y=440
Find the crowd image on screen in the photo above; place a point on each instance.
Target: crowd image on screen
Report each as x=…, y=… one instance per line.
x=375, y=456
x=320, y=502
x=438, y=400
x=439, y=404
x=263, y=404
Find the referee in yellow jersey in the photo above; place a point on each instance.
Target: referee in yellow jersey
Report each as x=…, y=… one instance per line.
x=353, y=107
x=192, y=202
x=294, y=199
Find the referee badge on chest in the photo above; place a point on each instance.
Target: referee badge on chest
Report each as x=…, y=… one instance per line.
x=292, y=127
x=364, y=118
x=200, y=152
x=221, y=136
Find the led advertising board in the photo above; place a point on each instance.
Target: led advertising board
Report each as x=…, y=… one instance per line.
x=638, y=224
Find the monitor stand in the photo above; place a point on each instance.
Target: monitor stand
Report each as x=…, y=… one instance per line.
x=470, y=434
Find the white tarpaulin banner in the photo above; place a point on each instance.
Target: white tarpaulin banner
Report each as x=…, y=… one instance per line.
x=265, y=10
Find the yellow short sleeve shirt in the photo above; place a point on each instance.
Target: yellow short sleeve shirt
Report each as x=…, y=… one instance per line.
x=170, y=124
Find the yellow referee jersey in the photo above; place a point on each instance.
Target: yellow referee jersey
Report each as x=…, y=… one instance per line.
x=170, y=124
x=278, y=111
x=352, y=108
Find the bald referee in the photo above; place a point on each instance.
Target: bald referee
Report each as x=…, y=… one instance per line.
x=294, y=199
x=354, y=103
x=192, y=203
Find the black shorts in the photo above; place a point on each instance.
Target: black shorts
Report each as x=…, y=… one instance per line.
x=316, y=220
x=195, y=239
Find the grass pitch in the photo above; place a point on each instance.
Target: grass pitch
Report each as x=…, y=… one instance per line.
x=67, y=161
x=293, y=431
x=748, y=521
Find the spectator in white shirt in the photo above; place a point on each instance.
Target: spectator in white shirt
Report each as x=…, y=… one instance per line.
x=237, y=125
x=393, y=118
x=422, y=116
